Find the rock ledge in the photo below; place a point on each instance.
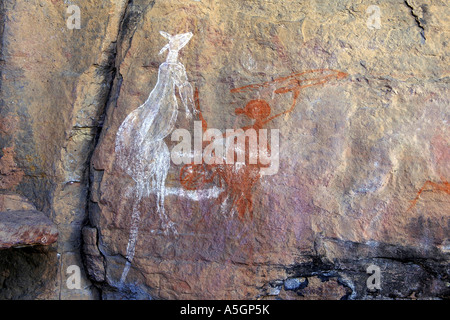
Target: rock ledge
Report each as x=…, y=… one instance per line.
x=26, y=227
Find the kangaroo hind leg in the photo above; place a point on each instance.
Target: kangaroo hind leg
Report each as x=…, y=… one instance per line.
x=162, y=169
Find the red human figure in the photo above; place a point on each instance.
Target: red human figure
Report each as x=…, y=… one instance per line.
x=238, y=183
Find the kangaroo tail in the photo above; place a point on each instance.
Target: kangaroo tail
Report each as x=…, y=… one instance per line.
x=131, y=247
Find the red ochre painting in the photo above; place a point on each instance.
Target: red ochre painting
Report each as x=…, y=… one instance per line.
x=237, y=182
x=441, y=153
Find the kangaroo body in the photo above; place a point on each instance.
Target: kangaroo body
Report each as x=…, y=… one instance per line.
x=142, y=132
x=140, y=150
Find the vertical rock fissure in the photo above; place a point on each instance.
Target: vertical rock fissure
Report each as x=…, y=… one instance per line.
x=2, y=59
x=417, y=19
x=94, y=90
x=127, y=27
x=2, y=28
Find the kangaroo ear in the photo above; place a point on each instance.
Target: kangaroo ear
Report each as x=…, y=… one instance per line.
x=166, y=47
x=165, y=35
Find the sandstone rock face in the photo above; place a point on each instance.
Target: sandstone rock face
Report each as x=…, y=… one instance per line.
x=54, y=84
x=93, y=259
x=362, y=157
x=10, y=201
x=358, y=92
x=28, y=261
x=28, y=273
x=21, y=228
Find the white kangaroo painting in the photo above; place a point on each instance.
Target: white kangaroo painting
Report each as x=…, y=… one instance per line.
x=140, y=150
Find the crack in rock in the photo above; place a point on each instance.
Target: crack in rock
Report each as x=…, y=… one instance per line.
x=418, y=20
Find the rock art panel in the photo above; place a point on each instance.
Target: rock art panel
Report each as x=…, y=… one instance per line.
x=356, y=117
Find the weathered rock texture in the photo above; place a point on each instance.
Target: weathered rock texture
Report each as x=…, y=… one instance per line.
x=21, y=228
x=364, y=160
x=29, y=273
x=22, y=225
x=54, y=84
x=10, y=201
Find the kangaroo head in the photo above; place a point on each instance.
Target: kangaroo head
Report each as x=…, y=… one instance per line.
x=176, y=42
